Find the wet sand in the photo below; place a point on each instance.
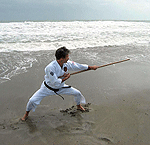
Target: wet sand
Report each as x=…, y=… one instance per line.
x=118, y=112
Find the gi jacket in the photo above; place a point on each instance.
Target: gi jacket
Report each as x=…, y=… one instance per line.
x=53, y=71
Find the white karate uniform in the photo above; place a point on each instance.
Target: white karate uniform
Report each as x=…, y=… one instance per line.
x=52, y=73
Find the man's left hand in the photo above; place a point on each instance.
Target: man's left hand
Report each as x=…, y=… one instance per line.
x=93, y=67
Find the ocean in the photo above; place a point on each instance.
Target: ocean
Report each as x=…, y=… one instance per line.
x=24, y=44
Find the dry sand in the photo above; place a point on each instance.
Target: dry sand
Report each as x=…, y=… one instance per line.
x=119, y=112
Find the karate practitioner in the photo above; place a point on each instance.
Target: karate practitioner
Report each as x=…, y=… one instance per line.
x=56, y=73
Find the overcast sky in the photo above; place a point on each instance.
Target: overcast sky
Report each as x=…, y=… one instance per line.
x=36, y=10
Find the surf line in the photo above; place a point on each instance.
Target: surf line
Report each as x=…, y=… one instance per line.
x=99, y=66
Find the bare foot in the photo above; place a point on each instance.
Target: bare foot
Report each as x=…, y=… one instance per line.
x=25, y=117
x=79, y=107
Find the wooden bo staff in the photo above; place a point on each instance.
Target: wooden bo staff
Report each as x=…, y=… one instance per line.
x=100, y=66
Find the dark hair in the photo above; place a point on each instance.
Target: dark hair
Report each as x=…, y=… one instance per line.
x=61, y=52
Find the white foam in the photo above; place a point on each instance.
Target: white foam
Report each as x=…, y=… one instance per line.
x=35, y=36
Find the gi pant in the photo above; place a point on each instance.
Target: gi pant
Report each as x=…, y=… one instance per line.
x=44, y=91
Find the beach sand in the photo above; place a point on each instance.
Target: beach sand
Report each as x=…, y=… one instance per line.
x=119, y=112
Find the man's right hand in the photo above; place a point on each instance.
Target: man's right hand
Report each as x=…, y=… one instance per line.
x=66, y=76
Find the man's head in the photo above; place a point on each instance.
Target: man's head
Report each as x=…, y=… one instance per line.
x=61, y=53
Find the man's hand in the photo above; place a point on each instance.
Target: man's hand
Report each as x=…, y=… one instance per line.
x=66, y=76
x=93, y=67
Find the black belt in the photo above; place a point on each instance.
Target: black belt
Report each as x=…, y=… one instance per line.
x=56, y=90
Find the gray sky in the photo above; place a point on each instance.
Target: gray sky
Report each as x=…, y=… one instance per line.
x=24, y=10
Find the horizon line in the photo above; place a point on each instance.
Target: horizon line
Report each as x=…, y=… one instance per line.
x=7, y=21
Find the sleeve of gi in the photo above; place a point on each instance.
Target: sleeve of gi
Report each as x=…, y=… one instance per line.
x=51, y=78
x=74, y=66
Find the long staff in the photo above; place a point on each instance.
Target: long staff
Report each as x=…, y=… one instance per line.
x=100, y=66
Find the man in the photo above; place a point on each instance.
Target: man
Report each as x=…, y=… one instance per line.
x=56, y=73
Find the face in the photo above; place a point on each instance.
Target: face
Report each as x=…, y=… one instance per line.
x=64, y=60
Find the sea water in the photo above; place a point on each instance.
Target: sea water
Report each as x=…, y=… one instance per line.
x=23, y=44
